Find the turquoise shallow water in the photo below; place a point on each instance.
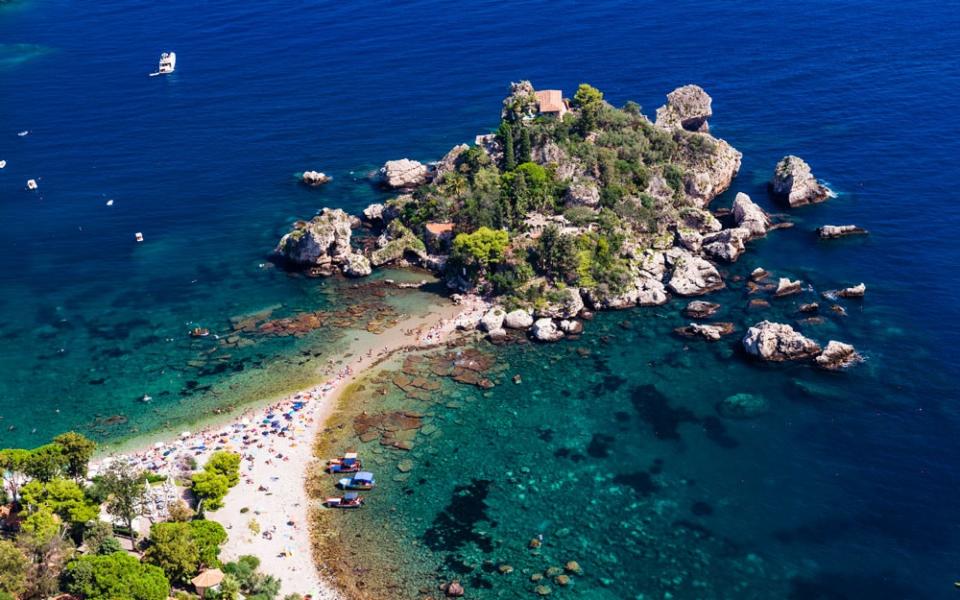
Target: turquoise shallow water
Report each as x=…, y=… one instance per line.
x=842, y=490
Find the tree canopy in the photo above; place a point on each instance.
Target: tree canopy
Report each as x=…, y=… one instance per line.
x=117, y=575
x=481, y=248
x=76, y=450
x=13, y=568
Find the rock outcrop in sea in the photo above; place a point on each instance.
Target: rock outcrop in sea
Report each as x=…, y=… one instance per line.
x=794, y=183
x=829, y=232
x=403, y=174
x=687, y=107
x=838, y=355
x=777, y=342
x=323, y=243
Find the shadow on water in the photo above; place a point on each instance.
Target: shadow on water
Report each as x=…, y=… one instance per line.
x=454, y=527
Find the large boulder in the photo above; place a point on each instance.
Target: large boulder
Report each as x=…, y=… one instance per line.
x=403, y=174
x=356, y=265
x=709, y=169
x=690, y=239
x=711, y=332
x=562, y=304
x=492, y=319
x=699, y=309
x=748, y=215
x=726, y=245
x=449, y=161
x=322, y=242
x=545, y=330
x=314, y=178
x=582, y=192
x=687, y=107
x=692, y=275
x=518, y=319
x=794, y=184
x=855, y=291
x=829, y=232
x=778, y=342
x=837, y=355
x=785, y=287
x=397, y=242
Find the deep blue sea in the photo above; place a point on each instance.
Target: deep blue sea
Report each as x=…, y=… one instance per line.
x=846, y=489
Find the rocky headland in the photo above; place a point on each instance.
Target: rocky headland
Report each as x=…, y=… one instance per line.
x=560, y=213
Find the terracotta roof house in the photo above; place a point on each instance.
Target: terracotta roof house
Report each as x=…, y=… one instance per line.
x=206, y=580
x=438, y=235
x=550, y=102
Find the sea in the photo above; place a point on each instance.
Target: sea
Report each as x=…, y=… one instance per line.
x=611, y=451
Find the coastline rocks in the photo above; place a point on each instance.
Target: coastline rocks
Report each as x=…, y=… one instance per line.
x=692, y=275
x=829, y=232
x=582, y=192
x=699, y=309
x=395, y=243
x=493, y=319
x=837, y=355
x=571, y=327
x=567, y=303
x=748, y=215
x=758, y=274
x=518, y=319
x=644, y=291
x=777, y=342
x=356, y=265
x=742, y=406
x=794, y=184
x=785, y=287
x=491, y=145
x=449, y=161
x=687, y=107
x=315, y=178
x=321, y=243
x=727, y=244
x=690, y=239
x=699, y=219
x=710, y=174
x=545, y=330
x=856, y=291
x=712, y=332
x=810, y=307
x=403, y=174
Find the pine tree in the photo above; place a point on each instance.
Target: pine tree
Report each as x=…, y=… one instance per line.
x=505, y=134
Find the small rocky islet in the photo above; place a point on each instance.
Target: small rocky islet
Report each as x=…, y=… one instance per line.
x=574, y=206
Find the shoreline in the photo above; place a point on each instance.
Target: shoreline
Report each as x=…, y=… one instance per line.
x=276, y=442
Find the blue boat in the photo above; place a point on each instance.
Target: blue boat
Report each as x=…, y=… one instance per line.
x=361, y=481
x=348, y=500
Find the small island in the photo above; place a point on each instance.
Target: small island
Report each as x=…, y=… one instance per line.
x=571, y=206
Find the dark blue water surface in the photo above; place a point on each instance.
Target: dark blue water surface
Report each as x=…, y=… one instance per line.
x=854, y=486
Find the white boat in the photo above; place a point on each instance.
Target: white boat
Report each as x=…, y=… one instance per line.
x=168, y=62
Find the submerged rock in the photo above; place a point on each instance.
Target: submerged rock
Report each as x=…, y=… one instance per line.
x=710, y=332
x=403, y=174
x=545, y=330
x=747, y=215
x=794, y=184
x=829, y=232
x=699, y=309
x=810, y=307
x=742, y=406
x=687, y=107
x=778, y=342
x=838, y=355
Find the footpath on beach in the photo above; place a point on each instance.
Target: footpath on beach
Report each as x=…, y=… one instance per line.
x=266, y=514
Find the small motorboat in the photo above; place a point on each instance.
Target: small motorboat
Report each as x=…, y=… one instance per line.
x=348, y=463
x=348, y=500
x=168, y=63
x=199, y=332
x=361, y=481
x=146, y=398
x=32, y=184
x=138, y=236
x=23, y=133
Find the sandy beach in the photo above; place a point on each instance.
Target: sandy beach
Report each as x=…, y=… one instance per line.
x=266, y=514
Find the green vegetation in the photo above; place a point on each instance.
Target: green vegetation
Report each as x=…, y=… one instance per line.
x=182, y=549
x=526, y=212
x=117, y=575
x=221, y=473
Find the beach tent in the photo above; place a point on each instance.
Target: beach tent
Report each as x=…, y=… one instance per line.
x=209, y=579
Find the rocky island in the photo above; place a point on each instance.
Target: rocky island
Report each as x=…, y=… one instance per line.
x=569, y=206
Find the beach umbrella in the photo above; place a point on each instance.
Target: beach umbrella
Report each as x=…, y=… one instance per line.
x=158, y=445
x=184, y=434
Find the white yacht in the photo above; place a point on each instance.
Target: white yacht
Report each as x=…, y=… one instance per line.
x=168, y=62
